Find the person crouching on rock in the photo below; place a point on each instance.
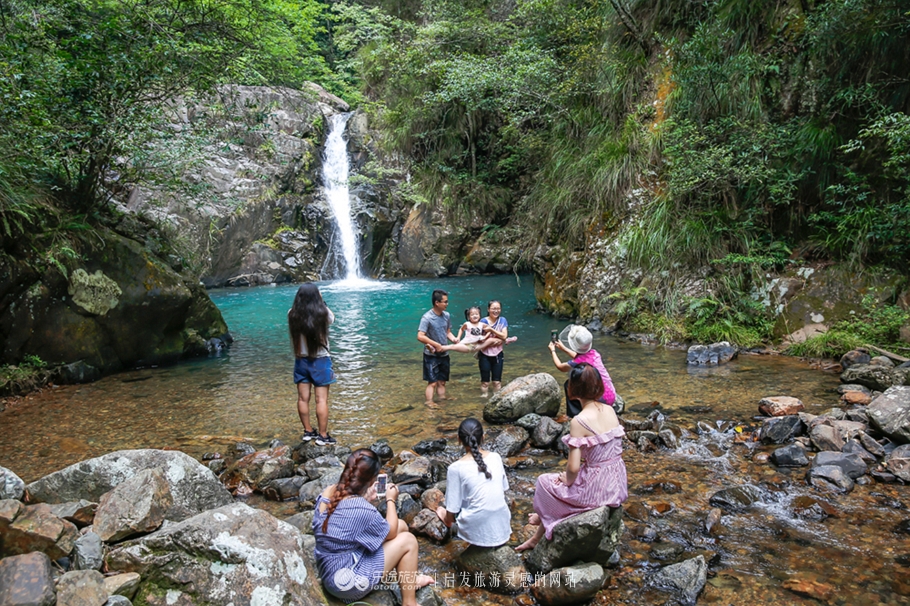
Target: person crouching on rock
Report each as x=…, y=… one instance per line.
x=475, y=492
x=580, y=351
x=355, y=546
x=595, y=475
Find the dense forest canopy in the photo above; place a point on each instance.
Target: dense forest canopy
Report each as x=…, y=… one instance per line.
x=737, y=132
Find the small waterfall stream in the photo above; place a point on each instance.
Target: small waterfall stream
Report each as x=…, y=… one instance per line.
x=335, y=175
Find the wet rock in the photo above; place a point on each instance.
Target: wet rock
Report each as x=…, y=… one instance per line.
x=311, y=450
x=311, y=490
x=88, y=553
x=684, y=581
x=538, y=393
x=645, y=445
x=858, y=414
x=81, y=512
x=666, y=550
x=834, y=413
x=529, y=422
x=11, y=485
x=811, y=588
x=761, y=458
x=137, y=505
x=193, y=486
x=569, y=585
x=712, y=520
x=645, y=534
x=845, y=387
x=668, y=438
x=382, y=450
x=408, y=508
x=898, y=462
x=854, y=447
x=825, y=437
x=242, y=449
x=231, y=554
x=883, y=361
x=283, y=489
x=509, y=442
x=428, y=524
x=792, y=455
x=124, y=584
x=710, y=355
x=27, y=580
x=876, y=378
x=35, y=528
x=658, y=420
x=809, y=508
x=432, y=498
x=851, y=464
x=780, y=406
x=546, y=432
x=856, y=397
x=9, y=511
x=737, y=498
x=637, y=436
x=500, y=568
x=890, y=413
x=592, y=536
x=316, y=468
x=118, y=600
x=855, y=357
x=419, y=469
x=426, y=447
x=302, y=521
x=217, y=466
x=259, y=468
x=903, y=527
x=780, y=430
x=638, y=511
x=830, y=477
x=81, y=588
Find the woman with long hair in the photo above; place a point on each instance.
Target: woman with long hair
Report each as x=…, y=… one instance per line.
x=355, y=546
x=308, y=321
x=490, y=360
x=595, y=474
x=475, y=492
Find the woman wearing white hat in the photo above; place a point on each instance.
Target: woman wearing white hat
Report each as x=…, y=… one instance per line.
x=581, y=351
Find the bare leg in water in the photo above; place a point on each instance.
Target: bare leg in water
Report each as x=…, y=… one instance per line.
x=533, y=520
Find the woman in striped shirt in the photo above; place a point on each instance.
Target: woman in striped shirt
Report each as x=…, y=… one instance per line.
x=355, y=545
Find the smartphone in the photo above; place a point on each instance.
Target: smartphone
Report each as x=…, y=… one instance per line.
x=554, y=336
x=381, y=481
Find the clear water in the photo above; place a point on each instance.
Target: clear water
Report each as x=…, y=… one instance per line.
x=248, y=393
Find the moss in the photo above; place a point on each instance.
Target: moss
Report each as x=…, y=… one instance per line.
x=95, y=293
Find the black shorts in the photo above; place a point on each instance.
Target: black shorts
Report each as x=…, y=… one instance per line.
x=435, y=368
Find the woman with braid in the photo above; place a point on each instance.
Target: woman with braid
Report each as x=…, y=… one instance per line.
x=475, y=492
x=355, y=546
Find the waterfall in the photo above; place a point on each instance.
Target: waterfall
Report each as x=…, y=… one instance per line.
x=335, y=175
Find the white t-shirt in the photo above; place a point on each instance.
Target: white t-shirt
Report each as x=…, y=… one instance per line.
x=323, y=351
x=478, y=503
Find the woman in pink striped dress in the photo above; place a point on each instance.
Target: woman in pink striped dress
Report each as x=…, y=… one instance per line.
x=595, y=475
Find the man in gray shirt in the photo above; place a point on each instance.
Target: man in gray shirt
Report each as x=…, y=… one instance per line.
x=435, y=331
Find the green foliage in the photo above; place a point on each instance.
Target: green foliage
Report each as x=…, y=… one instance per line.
x=832, y=344
x=28, y=375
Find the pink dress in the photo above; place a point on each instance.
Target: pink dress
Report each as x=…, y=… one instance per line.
x=601, y=480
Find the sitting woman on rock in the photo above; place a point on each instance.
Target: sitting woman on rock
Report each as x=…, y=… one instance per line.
x=475, y=492
x=355, y=545
x=595, y=475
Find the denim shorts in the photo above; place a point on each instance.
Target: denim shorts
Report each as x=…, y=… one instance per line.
x=435, y=368
x=317, y=371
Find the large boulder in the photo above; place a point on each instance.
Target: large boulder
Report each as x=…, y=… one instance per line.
x=135, y=506
x=233, y=554
x=890, y=413
x=27, y=580
x=710, y=355
x=684, y=580
x=500, y=568
x=592, y=536
x=570, y=585
x=873, y=376
x=193, y=485
x=538, y=393
x=11, y=485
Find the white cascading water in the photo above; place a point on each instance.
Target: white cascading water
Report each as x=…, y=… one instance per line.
x=335, y=174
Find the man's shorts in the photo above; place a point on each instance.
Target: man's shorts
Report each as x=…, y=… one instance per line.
x=317, y=371
x=435, y=368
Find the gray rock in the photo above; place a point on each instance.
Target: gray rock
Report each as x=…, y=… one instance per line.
x=283, y=489
x=509, y=442
x=81, y=512
x=11, y=485
x=419, y=469
x=500, y=568
x=315, y=468
x=529, y=422
x=383, y=450
x=851, y=464
x=792, y=455
x=570, y=585
x=136, y=506
x=890, y=413
x=834, y=413
x=537, y=393
x=311, y=490
x=88, y=553
x=684, y=580
x=81, y=588
x=27, y=580
x=118, y=600
x=854, y=357
x=591, y=536
x=425, y=447
x=302, y=521
x=124, y=584
x=871, y=445
x=666, y=550
x=825, y=437
x=737, y=498
x=231, y=554
x=710, y=355
x=844, y=388
x=830, y=477
x=259, y=468
x=408, y=508
x=193, y=486
x=898, y=462
x=428, y=524
x=876, y=378
x=854, y=447
x=780, y=430
x=883, y=361
x=546, y=432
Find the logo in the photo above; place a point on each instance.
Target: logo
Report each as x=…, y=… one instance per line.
x=346, y=579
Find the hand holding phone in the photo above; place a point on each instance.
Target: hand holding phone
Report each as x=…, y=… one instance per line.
x=554, y=336
x=381, y=482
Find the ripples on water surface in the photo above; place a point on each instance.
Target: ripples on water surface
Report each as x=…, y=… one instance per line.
x=248, y=392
